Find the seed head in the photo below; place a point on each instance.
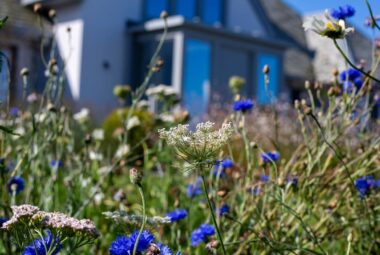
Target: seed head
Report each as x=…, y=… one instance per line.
x=266, y=69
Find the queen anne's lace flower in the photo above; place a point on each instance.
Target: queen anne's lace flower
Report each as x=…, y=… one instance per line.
x=201, y=146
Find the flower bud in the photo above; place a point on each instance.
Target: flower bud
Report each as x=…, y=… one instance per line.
x=24, y=71
x=307, y=85
x=318, y=85
x=335, y=72
x=236, y=83
x=121, y=91
x=307, y=110
x=266, y=69
x=52, y=13
x=153, y=250
x=135, y=176
x=37, y=8
x=297, y=104
x=163, y=15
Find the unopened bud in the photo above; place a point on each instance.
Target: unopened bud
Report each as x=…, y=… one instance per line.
x=153, y=250
x=297, y=104
x=307, y=110
x=52, y=13
x=135, y=176
x=24, y=71
x=307, y=85
x=37, y=7
x=211, y=246
x=335, y=72
x=236, y=83
x=160, y=62
x=121, y=91
x=163, y=15
x=266, y=69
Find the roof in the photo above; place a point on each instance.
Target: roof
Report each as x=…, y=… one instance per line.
x=22, y=21
x=288, y=26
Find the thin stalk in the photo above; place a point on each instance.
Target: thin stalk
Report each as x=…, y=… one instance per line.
x=352, y=65
x=213, y=216
x=141, y=191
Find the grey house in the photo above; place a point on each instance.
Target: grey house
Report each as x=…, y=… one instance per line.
x=208, y=41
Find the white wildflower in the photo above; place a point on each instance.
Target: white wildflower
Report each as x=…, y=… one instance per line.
x=95, y=156
x=122, y=151
x=326, y=26
x=201, y=146
x=134, y=121
x=82, y=116
x=98, y=134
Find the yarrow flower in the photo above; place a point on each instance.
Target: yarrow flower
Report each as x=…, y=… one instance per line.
x=270, y=156
x=16, y=184
x=201, y=234
x=199, y=147
x=43, y=246
x=225, y=209
x=328, y=27
x=343, y=12
x=177, y=214
x=243, y=105
x=124, y=246
x=195, y=189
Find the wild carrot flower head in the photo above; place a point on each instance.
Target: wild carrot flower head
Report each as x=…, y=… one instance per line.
x=201, y=146
x=44, y=246
x=328, y=27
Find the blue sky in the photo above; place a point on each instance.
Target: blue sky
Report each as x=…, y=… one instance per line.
x=309, y=6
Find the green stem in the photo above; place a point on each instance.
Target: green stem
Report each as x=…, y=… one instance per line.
x=213, y=216
x=351, y=64
x=144, y=218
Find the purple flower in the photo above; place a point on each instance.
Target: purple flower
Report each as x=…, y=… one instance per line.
x=350, y=74
x=16, y=184
x=177, y=215
x=227, y=163
x=270, y=156
x=243, y=105
x=124, y=246
x=363, y=185
x=194, y=190
x=37, y=247
x=343, y=12
x=200, y=234
x=14, y=111
x=264, y=178
x=56, y=163
x=225, y=209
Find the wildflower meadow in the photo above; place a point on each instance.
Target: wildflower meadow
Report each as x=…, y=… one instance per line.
x=284, y=178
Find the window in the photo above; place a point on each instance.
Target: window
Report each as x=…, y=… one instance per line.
x=4, y=80
x=264, y=94
x=196, y=83
x=186, y=8
x=153, y=8
x=212, y=11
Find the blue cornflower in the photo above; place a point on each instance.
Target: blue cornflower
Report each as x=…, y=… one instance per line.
x=350, y=74
x=14, y=111
x=270, y=156
x=165, y=250
x=16, y=184
x=3, y=220
x=56, y=163
x=124, y=246
x=200, y=234
x=225, y=209
x=243, y=105
x=376, y=184
x=264, y=178
x=227, y=163
x=194, y=190
x=37, y=247
x=343, y=12
x=177, y=215
x=363, y=185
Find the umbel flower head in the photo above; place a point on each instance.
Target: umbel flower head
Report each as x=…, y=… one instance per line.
x=44, y=246
x=199, y=147
x=328, y=27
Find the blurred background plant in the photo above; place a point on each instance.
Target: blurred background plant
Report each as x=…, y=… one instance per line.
x=290, y=180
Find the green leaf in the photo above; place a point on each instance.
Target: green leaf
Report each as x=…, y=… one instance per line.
x=8, y=130
x=3, y=21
